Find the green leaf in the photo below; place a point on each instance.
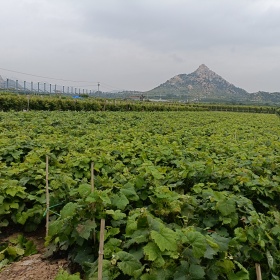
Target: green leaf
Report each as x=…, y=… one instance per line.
x=151, y=251
x=221, y=241
x=111, y=232
x=116, y=215
x=111, y=247
x=139, y=182
x=104, y=197
x=196, y=272
x=15, y=251
x=84, y=190
x=55, y=227
x=83, y=255
x=129, y=265
x=157, y=274
x=197, y=240
x=226, y=206
x=240, y=234
x=68, y=210
x=243, y=274
x=13, y=191
x=64, y=275
x=227, y=265
x=209, y=253
x=270, y=260
x=165, y=239
x=129, y=191
x=119, y=200
x=182, y=271
x=14, y=205
x=85, y=229
x=30, y=248
x=4, y=223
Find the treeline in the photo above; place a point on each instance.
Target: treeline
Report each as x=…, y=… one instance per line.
x=50, y=103
x=13, y=102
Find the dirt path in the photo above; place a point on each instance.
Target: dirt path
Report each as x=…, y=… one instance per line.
x=34, y=267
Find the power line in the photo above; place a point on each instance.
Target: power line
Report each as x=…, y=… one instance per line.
x=37, y=76
x=58, y=79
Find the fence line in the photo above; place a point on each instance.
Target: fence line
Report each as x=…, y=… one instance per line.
x=23, y=86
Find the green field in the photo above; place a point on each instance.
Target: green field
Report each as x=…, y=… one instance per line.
x=185, y=195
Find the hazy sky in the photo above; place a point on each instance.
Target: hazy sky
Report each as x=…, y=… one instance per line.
x=139, y=44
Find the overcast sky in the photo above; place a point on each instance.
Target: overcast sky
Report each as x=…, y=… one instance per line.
x=139, y=44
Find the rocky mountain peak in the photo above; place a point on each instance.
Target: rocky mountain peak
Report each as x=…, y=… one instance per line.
x=204, y=72
x=202, y=68
x=203, y=83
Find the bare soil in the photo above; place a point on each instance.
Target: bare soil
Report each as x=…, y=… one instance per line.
x=34, y=267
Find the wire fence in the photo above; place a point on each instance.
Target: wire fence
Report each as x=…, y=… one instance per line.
x=43, y=87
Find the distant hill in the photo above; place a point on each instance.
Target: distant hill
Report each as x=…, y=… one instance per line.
x=206, y=86
x=2, y=82
x=11, y=84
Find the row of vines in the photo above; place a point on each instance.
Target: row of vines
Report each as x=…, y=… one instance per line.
x=185, y=195
x=16, y=102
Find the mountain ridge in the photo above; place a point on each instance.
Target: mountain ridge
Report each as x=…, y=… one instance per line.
x=203, y=83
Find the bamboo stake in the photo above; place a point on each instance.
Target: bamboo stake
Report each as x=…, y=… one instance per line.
x=258, y=271
x=101, y=245
x=47, y=196
x=92, y=176
x=92, y=190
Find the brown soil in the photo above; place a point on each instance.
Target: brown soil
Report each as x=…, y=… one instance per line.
x=34, y=267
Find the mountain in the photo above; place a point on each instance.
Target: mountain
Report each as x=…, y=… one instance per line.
x=2, y=82
x=202, y=84
x=11, y=84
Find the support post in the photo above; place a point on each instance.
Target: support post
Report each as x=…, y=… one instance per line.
x=47, y=196
x=258, y=271
x=101, y=246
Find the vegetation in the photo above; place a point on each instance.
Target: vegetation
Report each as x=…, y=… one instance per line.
x=13, y=102
x=185, y=195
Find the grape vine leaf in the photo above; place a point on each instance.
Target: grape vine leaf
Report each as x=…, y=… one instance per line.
x=68, y=210
x=165, y=239
x=152, y=251
x=198, y=242
x=226, y=206
x=196, y=272
x=129, y=265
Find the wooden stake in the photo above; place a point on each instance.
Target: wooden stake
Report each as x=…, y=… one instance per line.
x=47, y=196
x=93, y=205
x=92, y=176
x=258, y=271
x=101, y=245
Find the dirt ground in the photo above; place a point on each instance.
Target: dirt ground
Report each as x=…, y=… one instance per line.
x=34, y=267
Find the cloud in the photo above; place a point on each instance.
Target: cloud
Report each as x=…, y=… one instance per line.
x=137, y=44
x=185, y=25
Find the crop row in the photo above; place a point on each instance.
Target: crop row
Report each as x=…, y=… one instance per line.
x=185, y=195
x=14, y=102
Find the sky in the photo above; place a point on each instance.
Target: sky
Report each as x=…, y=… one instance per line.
x=139, y=44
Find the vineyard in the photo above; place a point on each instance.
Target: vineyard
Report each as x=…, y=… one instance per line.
x=184, y=195
x=16, y=102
